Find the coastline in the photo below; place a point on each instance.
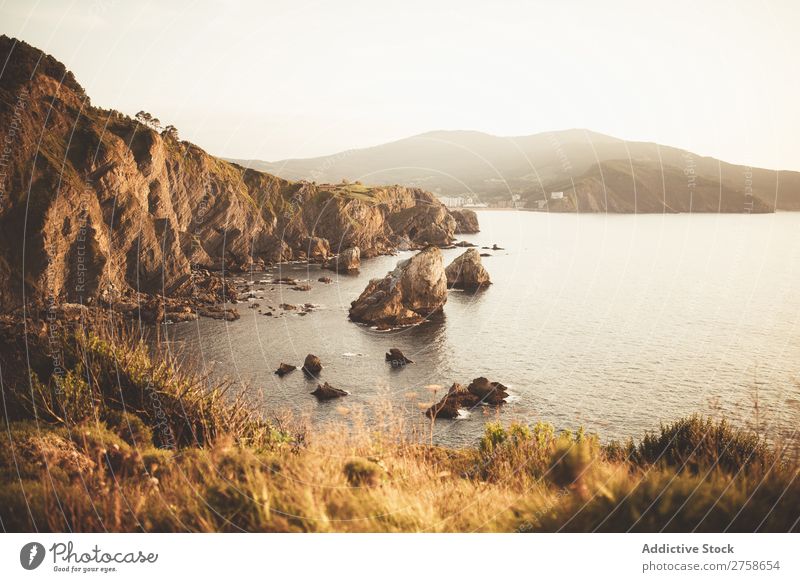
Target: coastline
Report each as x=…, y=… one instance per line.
x=183, y=457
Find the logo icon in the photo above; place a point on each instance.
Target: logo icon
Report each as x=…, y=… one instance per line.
x=31, y=555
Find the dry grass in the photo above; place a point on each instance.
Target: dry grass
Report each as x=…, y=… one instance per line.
x=102, y=466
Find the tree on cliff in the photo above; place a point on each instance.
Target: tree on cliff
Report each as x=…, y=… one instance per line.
x=147, y=119
x=170, y=132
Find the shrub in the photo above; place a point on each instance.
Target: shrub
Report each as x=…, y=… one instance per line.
x=363, y=473
x=115, y=378
x=696, y=444
x=660, y=500
x=131, y=428
x=570, y=461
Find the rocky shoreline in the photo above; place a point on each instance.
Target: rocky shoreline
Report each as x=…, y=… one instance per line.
x=114, y=211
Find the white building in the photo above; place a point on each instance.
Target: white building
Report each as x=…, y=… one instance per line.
x=556, y=195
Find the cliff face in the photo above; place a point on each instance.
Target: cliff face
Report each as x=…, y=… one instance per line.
x=95, y=203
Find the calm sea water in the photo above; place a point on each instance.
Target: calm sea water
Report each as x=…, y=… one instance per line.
x=615, y=323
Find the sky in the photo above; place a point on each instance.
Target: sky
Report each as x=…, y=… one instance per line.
x=283, y=79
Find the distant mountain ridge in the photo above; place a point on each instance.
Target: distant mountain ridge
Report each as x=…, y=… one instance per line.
x=595, y=172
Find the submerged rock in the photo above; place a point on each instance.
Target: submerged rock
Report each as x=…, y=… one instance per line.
x=397, y=358
x=348, y=261
x=284, y=369
x=414, y=290
x=327, y=392
x=312, y=365
x=466, y=221
x=214, y=312
x=326, y=280
x=467, y=272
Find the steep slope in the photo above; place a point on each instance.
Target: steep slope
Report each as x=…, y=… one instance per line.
x=456, y=163
x=95, y=203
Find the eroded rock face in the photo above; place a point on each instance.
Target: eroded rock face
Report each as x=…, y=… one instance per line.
x=414, y=290
x=348, y=261
x=317, y=248
x=425, y=224
x=106, y=202
x=466, y=220
x=467, y=272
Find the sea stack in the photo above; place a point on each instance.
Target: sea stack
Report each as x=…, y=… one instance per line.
x=414, y=290
x=466, y=220
x=348, y=261
x=312, y=365
x=467, y=272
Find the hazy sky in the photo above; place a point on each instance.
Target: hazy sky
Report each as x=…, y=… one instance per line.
x=277, y=79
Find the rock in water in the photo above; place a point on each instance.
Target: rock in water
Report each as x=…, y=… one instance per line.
x=466, y=221
x=456, y=398
x=480, y=391
x=348, y=261
x=327, y=392
x=397, y=358
x=416, y=289
x=312, y=366
x=467, y=272
x=284, y=369
x=488, y=392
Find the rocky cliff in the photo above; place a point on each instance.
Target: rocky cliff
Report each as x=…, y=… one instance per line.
x=96, y=204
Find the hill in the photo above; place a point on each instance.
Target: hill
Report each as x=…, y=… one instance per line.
x=493, y=169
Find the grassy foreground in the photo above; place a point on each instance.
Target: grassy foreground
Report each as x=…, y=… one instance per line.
x=117, y=439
